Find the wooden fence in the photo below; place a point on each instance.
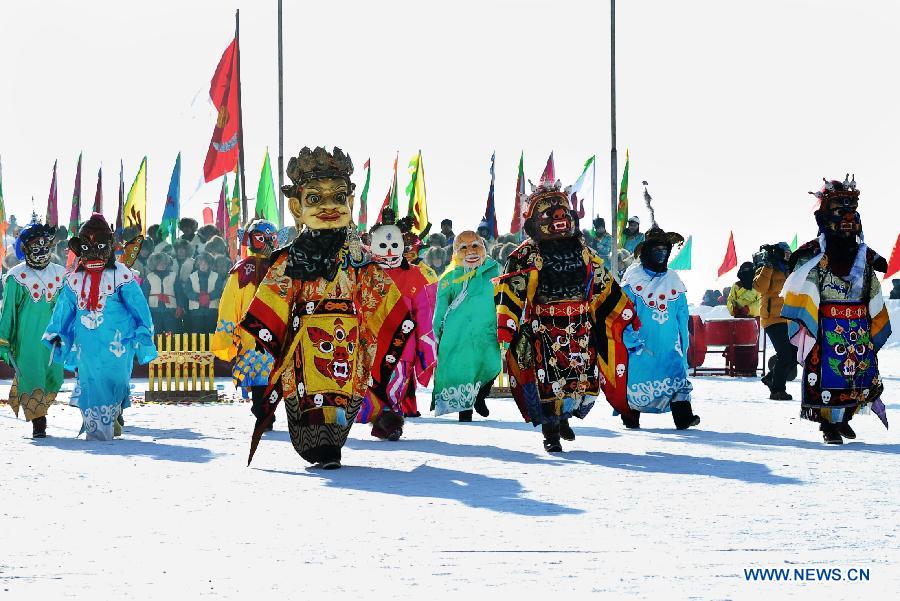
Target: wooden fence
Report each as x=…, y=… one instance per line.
x=183, y=371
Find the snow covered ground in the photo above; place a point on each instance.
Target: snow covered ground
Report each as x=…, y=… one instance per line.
x=454, y=510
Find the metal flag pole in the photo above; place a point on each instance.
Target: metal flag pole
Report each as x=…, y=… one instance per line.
x=614, y=170
x=280, y=118
x=237, y=38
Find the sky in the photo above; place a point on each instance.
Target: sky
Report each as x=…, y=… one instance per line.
x=731, y=111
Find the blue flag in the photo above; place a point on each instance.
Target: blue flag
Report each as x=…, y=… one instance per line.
x=490, y=211
x=168, y=227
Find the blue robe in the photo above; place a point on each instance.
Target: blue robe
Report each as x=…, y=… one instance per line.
x=657, y=353
x=101, y=345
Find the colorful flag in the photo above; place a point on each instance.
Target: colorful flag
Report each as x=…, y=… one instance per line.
x=622, y=208
x=222, y=155
x=794, y=243
x=52, y=212
x=168, y=225
x=222, y=209
x=578, y=203
x=98, y=194
x=894, y=263
x=120, y=211
x=682, y=261
x=390, y=199
x=548, y=177
x=415, y=191
x=265, y=195
x=234, y=219
x=135, y=211
x=730, y=261
x=208, y=217
x=362, y=222
x=490, y=211
x=75, y=215
x=515, y=226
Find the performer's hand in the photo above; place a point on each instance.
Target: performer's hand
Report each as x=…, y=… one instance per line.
x=179, y=312
x=204, y=299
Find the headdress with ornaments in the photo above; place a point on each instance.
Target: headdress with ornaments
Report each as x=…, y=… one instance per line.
x=33, y=230
x=317, y=164
x=656, y=235
x=838, y=203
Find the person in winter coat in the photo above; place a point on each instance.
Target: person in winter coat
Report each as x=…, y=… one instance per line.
x=768, y=281
x=632, y=236
x=465, y=326
x=159, y=289
x=203, y=292
x=743, y=300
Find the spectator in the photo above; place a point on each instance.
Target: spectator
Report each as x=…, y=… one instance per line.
x=203, y=292
x=436, y=258
x=768, y=281
x=895, y=292
x=437, y=240
x=222, y=265
x=188, y=228
x=216, y=246
x=159, y=288
x=632, y=235
x=743, y=300
x=710, y=298
x=602, y=240
x=447, y=231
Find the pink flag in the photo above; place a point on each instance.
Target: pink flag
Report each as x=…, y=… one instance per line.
x=548, y=177
x=52, y=212
x=98, y=195
x=221, y=215
x=207, y=216
x=730, y=261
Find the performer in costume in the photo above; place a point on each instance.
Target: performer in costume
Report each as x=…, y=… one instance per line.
x=319, y=312
x=100, y=324
x=251, y=367
x=563, y=315
x=466, y=330
x=415, y=348
x=657, y=354
x=29, y=295
x=839, y=321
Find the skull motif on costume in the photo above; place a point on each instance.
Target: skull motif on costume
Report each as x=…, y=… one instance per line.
x=407, y=326
x=620, y=370
x=812, y=378
x=627, y=314
x=826, y=396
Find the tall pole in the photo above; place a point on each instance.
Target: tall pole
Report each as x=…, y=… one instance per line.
x=280, y=119
x=237, y=40
x=614, y=169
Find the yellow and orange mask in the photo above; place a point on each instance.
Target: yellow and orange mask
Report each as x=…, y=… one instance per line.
x=469, y=250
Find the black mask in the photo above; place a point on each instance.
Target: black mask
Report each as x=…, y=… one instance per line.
x=655, y=258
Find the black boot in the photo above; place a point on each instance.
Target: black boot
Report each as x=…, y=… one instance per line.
x=258, y=406
x=551, y=438
x=330, y=458
x=480, y=406
x=683, y=415
x=39, y=427
x=565, y=430
x=830, y=434
x=846, y=431
x=633, y=421
x=465, y=416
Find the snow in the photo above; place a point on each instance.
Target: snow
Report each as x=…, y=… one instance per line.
x=171, y=511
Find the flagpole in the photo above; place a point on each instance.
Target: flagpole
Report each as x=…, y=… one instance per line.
x=593, y=193
x=280, y=118
x=237, y=39
x=614, y=170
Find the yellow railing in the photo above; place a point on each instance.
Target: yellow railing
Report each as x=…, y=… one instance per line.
x=183, y=369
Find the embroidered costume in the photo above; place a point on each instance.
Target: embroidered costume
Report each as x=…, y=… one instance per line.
x=392, y=394
x=657, y=354
x=251, y=367
x=318, y=312
x=563, y=315
x=465, y=325
x=839, y=321
x=29, y=295
x=100, y=324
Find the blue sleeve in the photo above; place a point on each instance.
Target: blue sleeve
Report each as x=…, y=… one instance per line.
x=62, y=328
x=682, y=314
x=133, y=298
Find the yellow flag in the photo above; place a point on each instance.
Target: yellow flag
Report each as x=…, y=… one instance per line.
x=136, y=204
x=415, y=190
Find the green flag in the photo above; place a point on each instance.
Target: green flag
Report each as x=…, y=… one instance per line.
x=622, y=209
x=794, y=243
x=2, y=205
x=265, y=195
x=682, y=261
x=364, y=199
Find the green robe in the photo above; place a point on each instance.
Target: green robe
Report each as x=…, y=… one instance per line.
x=465, y=325
x=29, y=296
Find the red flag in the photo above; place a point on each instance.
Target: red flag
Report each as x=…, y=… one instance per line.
x=548, y=177
x=894, y=263
x=207, y=216
x=222, y=155
x=390, y=197
x=98, y=195
x=52, y=212
x=516, y=226
x=730, y=261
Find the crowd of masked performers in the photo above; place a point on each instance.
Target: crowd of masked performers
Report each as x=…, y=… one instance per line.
x=343, y=327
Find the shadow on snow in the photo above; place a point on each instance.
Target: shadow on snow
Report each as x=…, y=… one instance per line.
x=126, y=447
x=738, y=439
